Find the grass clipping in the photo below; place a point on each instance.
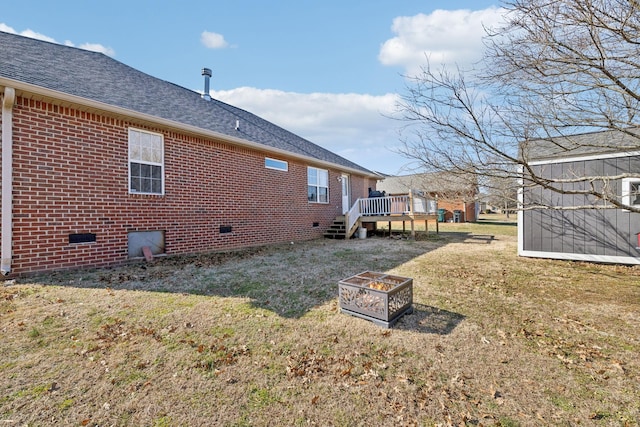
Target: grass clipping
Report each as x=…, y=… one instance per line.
x=256, y=337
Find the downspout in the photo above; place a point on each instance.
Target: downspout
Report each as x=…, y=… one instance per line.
x=7, y=178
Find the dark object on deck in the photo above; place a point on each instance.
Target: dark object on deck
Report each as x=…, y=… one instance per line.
x=384, y=207
x=376, y=193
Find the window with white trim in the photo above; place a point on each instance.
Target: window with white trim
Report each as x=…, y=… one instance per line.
x=280, y=165
x=631, y=191
x=317, y=185
x=146, y=162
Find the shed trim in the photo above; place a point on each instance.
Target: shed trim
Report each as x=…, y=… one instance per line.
x=579, y=257
x=584, y=158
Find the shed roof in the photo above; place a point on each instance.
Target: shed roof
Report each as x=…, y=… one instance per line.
x=96, y=77
x=580, y=145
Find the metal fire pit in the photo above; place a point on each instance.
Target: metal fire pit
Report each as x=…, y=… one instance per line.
x=379, y=297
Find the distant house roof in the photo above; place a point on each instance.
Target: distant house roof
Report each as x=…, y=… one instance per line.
x=96, y=77
x=440, y=183
x=585, y=144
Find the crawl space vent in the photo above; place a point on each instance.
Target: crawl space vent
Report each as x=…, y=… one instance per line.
x=82, y=238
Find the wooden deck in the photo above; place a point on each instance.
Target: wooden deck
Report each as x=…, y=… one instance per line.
x=395, y=208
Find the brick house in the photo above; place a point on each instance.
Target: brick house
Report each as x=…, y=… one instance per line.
x=102, y=163
x=452, y=191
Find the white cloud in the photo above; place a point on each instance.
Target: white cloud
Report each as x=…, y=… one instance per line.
x=27, y=33
x=213, y=40
x=443, y=37
x=95, y=47
x=34, y=35
x=354, y=126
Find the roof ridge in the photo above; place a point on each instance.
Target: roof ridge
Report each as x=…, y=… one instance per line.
x=98, y=77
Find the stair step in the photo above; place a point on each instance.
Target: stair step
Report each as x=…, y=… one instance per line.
x=334, y=235
x=337, y=230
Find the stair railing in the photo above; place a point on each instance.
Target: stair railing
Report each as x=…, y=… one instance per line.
x=351, y=217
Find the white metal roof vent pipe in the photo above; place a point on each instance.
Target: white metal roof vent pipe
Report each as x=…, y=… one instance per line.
x=206, y=72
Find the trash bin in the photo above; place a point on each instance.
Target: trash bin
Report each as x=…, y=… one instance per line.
x=362, y=233
x=457, y=215
x=441, y=213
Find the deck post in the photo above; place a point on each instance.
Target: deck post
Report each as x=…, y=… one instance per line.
x=413, y=230
x=410, y=202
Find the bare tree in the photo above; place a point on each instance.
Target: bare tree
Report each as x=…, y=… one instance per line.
x=502, y=192
x=556, y=70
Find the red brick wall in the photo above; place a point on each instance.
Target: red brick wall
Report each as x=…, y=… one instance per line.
x=360, y=187
x=71, y=176
x=468, y=209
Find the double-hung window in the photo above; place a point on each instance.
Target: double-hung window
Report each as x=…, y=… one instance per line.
x=146, y=162
x=317, y=185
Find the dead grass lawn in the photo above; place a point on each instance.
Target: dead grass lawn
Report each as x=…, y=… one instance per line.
x=255, y=338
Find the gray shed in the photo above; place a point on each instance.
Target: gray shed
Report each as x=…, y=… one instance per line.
x=588, y=234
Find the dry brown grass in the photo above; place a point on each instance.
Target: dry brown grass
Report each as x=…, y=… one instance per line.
x=255, y=338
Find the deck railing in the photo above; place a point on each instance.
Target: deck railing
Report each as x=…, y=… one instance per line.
x=405, y=204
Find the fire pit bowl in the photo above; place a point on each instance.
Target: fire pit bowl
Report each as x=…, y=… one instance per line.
x=379, y=297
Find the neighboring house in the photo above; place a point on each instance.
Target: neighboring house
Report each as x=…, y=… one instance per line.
x=453, y=193
x=102, y=163
x=600, y=235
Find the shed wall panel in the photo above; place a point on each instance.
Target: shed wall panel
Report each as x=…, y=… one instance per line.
x=593, y=232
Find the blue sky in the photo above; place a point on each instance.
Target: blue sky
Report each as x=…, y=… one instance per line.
x=330, y=71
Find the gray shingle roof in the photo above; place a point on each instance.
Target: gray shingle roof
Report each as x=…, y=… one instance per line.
x=97, y=77
x=434, y=182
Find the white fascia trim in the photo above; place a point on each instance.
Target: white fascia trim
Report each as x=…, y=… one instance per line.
x=580, y=257
x=54, y=94
x=583, y=158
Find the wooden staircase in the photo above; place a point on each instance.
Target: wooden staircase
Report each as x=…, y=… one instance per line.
x=337, y=230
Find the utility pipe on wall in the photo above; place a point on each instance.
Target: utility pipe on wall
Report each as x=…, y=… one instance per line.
x=7, y=178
